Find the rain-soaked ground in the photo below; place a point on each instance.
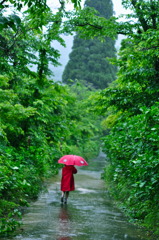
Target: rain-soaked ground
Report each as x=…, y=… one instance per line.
x=89, y=214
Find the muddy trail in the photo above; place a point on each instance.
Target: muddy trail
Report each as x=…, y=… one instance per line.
x=89, y=214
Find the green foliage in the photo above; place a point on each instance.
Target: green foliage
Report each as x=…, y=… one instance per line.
x=89, y=57
x=132, y=147
x=40, y=120
x=37, y=128
x=130, y=107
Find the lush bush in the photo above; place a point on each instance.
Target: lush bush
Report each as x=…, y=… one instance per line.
x=133, y=150
x=35, y=132
x=131, y=110
x=40, y=119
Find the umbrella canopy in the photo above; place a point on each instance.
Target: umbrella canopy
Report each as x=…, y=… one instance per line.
x=73, y=160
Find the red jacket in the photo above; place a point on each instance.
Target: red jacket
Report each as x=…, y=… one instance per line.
x=67, y=181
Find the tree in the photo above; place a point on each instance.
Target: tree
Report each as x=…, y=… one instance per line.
x=130, y=106
x=37, y=124
x=88, y=59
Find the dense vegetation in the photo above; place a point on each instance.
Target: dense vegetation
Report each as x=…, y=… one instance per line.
x=131, y=109
x=40, y=120
x=88, y=60
x=36, y=130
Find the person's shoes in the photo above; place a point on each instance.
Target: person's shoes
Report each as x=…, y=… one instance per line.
x=61, y=199
x=65, y=200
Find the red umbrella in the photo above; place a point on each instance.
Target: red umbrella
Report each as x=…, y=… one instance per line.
x=73, y=160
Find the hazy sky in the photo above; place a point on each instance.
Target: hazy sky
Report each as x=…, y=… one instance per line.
x=118, y=8
x=117, y=5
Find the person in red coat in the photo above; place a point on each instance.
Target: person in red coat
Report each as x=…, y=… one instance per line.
x=67, y=181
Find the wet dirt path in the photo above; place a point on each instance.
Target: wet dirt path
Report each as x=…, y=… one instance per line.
x=88, y=215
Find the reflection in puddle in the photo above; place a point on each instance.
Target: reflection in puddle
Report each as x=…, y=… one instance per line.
x=64, y=223
x=64, y=215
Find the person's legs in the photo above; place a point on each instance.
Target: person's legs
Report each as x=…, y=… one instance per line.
x=66, y=196
x=62, y=197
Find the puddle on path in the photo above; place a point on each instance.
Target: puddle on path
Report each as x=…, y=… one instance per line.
x=88, y=215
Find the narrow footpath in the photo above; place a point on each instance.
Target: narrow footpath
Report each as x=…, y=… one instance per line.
x=88, y=215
